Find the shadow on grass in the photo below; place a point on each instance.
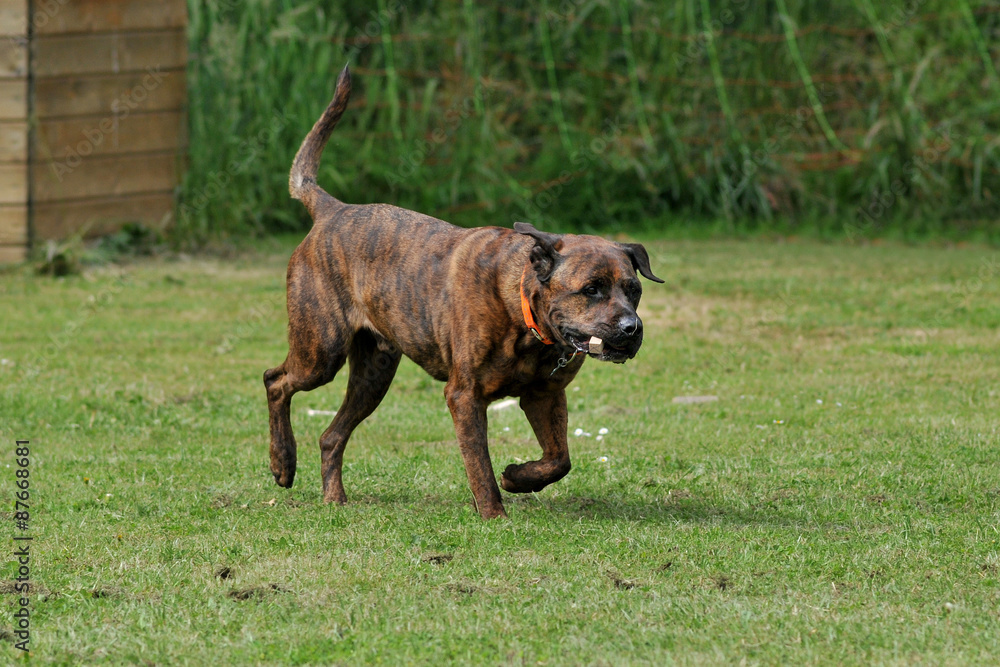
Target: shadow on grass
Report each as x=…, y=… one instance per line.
x=591, y=509
x=689, y=510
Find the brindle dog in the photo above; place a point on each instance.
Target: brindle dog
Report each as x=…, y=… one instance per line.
x=373, y=282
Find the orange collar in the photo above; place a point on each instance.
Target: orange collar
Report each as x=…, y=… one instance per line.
x=529, y=318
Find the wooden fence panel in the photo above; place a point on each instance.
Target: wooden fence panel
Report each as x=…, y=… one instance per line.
x=96, y=140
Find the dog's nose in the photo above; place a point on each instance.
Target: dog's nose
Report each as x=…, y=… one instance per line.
x=630, y=325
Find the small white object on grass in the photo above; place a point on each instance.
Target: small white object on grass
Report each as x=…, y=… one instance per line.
x=506, y=428
x=320, y=413
x=602, y=431
x=819, y=401
x=596, y=345
x=603, y=459
x=600, y=437
x=578, y=432
x=503, y=405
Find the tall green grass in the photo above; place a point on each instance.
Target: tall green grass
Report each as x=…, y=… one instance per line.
x=583, y=114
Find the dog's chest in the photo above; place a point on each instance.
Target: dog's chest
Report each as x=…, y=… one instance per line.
x=532, y=372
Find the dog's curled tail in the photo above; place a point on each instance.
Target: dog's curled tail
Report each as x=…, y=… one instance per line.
x=302, y=179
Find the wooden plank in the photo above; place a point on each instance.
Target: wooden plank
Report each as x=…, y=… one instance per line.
x=14, y=141
x=58, y=220
x=97, y=176
x=13, y=183
x=14, y=17
x=13, y=99
x=105, y=15
x=136, y=133
x=13, y=254
x=13, y=57
x=13, y=225
x=110, y=93
x=61, y=55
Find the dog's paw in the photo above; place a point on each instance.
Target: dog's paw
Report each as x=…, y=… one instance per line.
x=335, y=497
x=284, y=478
x=513, y=480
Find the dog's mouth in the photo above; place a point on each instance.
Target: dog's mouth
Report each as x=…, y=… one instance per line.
x=599, y=349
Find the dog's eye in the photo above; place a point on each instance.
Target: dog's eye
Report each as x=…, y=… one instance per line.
x=633, y=290
x=592, y=291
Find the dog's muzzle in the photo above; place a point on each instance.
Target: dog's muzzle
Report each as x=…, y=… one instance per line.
x=621, y=341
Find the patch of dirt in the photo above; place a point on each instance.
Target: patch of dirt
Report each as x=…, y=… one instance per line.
x=6, y=635
x=9, y=587
x=878, y=498
x=184, y=399
x=780, y=495
x=460, y=587
x=256, y=592
x=107, y=592
x=722, y=582
x=674, y=495
x=666, y=566
x=437, y=559
x=222, y=500
x=224, y=572
x=621, y=583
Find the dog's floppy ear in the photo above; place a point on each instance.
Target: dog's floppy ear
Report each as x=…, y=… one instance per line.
x=640, y=259
x=545, y=255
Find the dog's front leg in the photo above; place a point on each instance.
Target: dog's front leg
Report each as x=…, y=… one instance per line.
x=547, y=414
x=469, y=412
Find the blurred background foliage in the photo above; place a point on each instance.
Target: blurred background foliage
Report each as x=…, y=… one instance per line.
x=855, y=116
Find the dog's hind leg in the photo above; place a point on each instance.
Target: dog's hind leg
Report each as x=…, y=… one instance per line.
x=373, y=364
x=295, y=375
x=548, y=417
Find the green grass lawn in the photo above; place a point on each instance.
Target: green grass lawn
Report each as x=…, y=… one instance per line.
x=838, y=504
